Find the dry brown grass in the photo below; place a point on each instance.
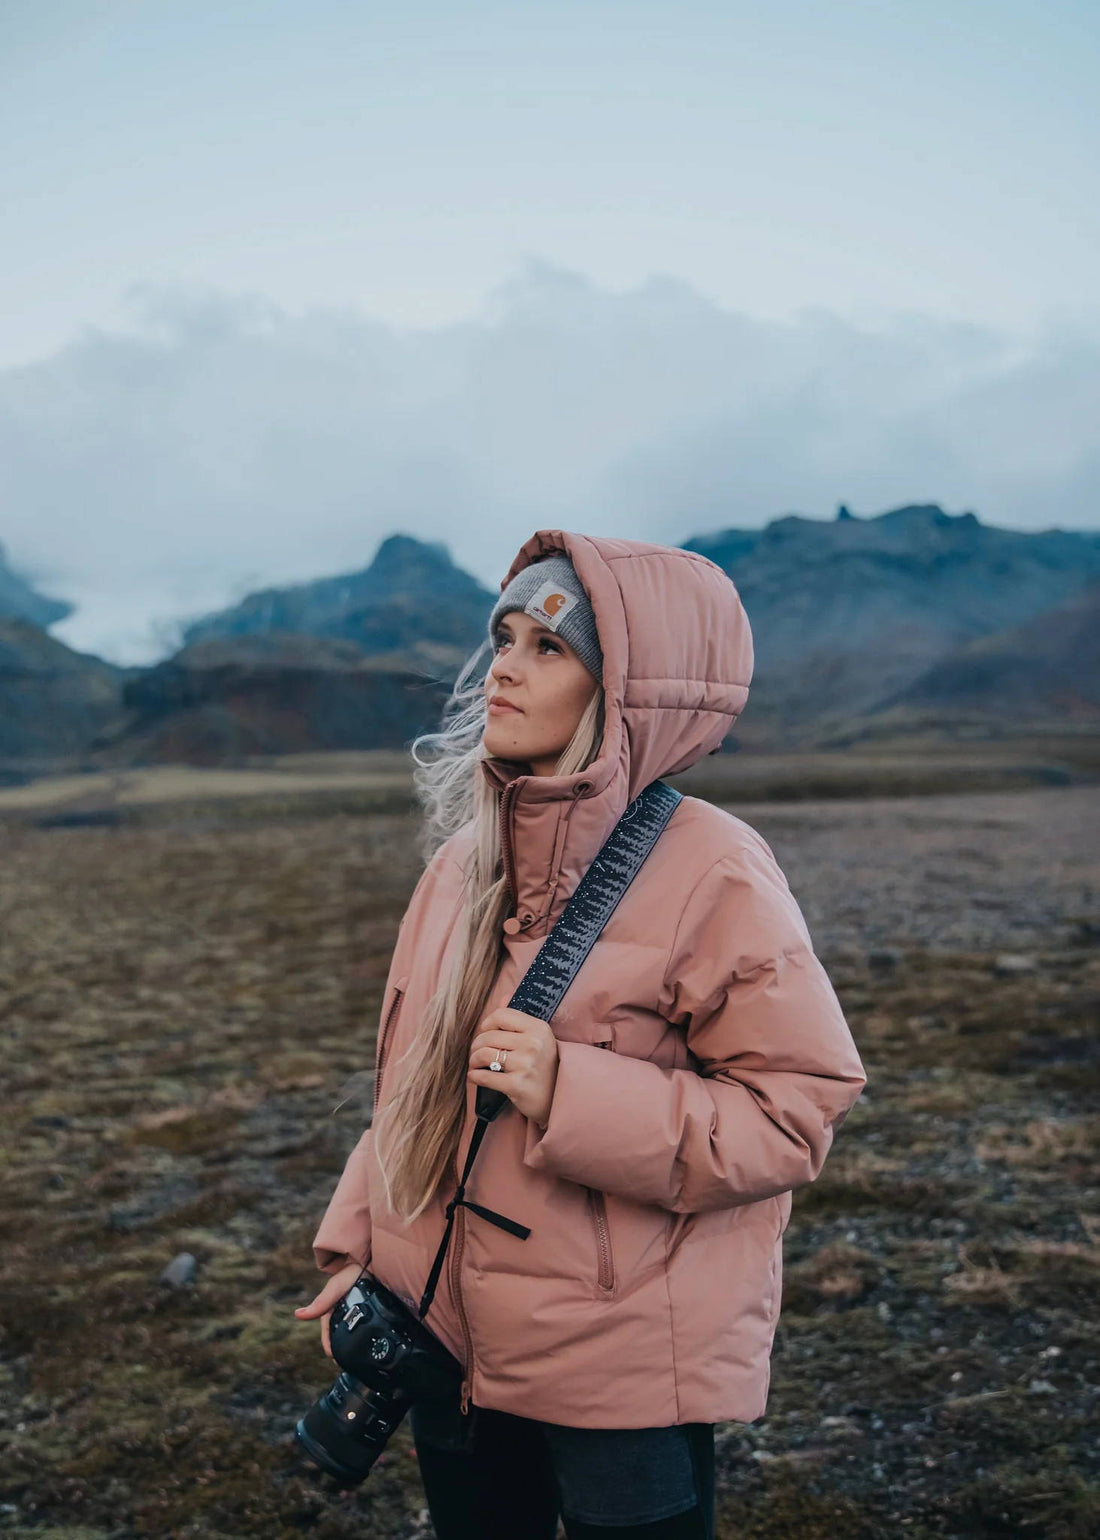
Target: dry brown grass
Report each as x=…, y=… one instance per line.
x=185, y=1002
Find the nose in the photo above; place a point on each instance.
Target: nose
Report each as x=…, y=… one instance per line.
x=501, y=668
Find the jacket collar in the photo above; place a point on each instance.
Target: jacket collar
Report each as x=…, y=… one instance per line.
x=677, y=662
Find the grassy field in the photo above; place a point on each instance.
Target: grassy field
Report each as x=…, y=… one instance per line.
x=185, y=997
x=378, y=781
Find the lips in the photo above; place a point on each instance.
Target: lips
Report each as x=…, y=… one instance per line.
x=498, y=703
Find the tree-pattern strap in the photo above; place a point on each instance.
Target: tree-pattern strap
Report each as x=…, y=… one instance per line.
x=578, y=927
x=557, y=964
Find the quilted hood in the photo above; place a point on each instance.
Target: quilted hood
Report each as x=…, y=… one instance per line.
x=677, y=663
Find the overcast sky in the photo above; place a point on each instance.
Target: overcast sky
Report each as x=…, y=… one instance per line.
x=280, y=279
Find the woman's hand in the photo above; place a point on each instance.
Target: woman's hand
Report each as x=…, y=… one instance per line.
x=530, y=1065
x=322, y=1305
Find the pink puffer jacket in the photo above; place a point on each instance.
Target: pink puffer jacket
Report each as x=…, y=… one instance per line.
x=705, y=1063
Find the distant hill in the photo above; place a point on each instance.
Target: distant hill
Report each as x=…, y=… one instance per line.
x=848, y=615
x=20, y=601
x=363, y=660
x=411, y=605
x=1048, y=667
x=909, y=618
x=225, y=698
x=52, y=700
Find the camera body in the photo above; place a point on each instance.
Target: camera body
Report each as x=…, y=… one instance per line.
x=388, y=1359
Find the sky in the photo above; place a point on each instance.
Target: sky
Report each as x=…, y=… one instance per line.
x=282, y=279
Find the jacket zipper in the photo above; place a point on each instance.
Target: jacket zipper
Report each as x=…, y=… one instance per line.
x=507, y=854
x=598, y=1209
x=383, y=1042
x=509, y=865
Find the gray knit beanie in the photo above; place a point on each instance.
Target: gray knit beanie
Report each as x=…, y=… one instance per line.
x=550, y=591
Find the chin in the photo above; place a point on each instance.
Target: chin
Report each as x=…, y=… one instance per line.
x=500, y=747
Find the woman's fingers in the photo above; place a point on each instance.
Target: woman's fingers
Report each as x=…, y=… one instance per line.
x=322, y=1302
x=490, y=1043
x=530, y=1064
x=509, y=1055
x=506, y=1026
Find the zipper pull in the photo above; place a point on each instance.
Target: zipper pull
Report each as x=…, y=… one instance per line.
x=465, y=1405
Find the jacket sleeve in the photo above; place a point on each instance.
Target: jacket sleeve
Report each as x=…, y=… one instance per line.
x=774, y=1069
x=344, y=1231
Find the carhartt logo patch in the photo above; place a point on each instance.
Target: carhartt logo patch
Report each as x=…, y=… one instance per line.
x=550, y=605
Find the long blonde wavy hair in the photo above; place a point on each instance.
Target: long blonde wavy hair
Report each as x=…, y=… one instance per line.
x=417, y=1131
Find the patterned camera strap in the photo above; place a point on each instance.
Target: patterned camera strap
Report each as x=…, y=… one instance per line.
x=557, y=964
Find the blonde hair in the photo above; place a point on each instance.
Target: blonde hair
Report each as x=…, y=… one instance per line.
x=416, y=1133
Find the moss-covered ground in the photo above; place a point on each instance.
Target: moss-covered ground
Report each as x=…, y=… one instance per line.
x=183, y=1003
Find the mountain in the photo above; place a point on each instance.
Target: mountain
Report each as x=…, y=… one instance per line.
x=52, y=700
x=223, y=698
x=892, y=622
x=849, y=614
x=1048, y=667
x=363, y=660
x=412, y=605
x=19, y=601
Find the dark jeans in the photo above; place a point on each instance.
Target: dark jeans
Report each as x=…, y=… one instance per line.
x=509, y=1478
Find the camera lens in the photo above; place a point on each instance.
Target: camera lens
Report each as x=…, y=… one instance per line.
x=348, y=1428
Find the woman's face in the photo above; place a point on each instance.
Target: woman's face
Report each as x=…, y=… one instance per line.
x=540, y=675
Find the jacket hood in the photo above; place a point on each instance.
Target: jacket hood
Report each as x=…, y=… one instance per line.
x=677, y=663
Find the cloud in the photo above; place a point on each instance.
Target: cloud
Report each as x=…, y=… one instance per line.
x=219, y=442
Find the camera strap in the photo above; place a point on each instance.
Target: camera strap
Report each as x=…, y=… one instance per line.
x=557, y=964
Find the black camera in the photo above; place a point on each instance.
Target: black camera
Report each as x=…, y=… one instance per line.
x=389, y=1360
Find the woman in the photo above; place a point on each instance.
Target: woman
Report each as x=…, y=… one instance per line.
x=694, y=1075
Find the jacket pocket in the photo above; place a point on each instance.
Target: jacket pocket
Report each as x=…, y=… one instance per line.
x=385, y=1035
x=605, y=1260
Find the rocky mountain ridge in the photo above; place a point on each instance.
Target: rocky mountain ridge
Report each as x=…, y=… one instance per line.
x=904, y=618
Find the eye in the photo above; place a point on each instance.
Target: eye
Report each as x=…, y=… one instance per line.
x=547, y=641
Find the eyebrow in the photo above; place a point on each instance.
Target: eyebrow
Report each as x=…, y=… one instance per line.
x=503, y=621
